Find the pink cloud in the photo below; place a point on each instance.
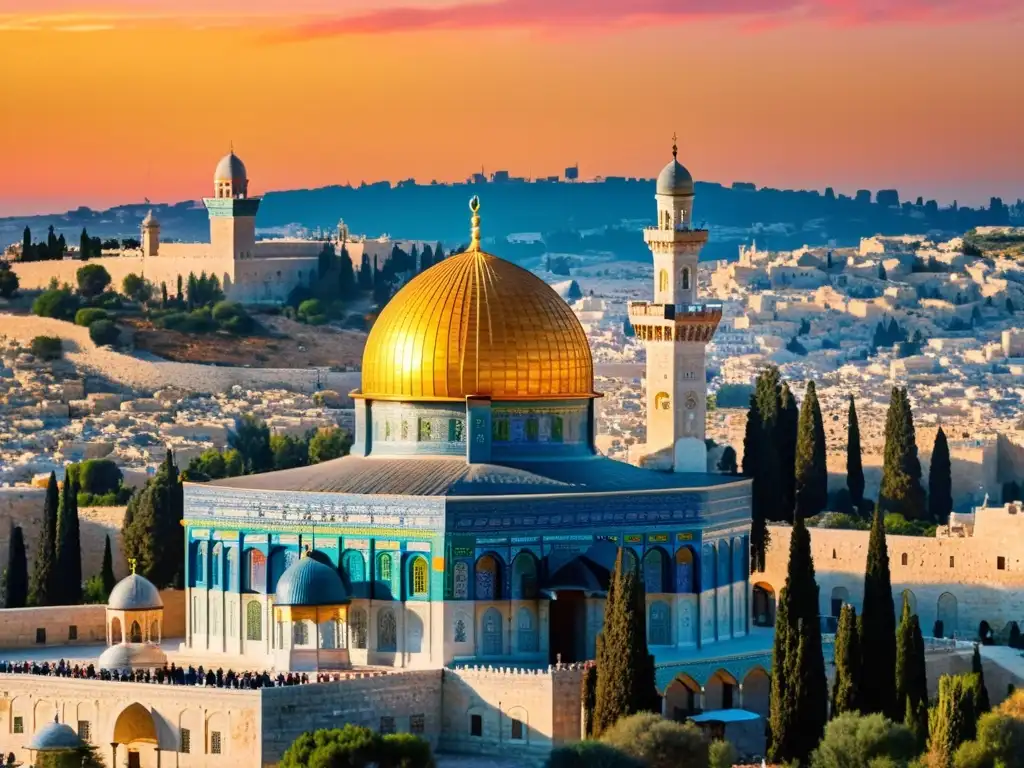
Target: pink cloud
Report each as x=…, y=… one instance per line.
x=568, y=15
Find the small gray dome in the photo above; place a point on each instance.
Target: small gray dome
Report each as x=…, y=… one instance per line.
x=55, y=737
x=230, y=168
x=126, y=657
x=675, y=180
x=134, y=593
x=310, y=582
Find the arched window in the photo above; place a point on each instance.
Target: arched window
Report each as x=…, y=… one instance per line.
x=662, y=401
x=686, y=278
x=491, y=633
x=527, y=631
x=254, y=621
x=524, y=577
x=215, y=571
x=201, y=563
x=684, y=571
x=460, y=581
x=662, y=280
x=135, y=633
x=115, y=631
x=654, y=571
x=300, y=633
x=419, y=576
x=384, y=568
x=659, y=624
x=724, y=564
x=387, y=631
x=154, y=632
x=257, y=571
x=488, y=575
x=357, y=626
x=460, y=631
x=413, y=633
x=232, y=570
x=630, y=561
x=353, y=569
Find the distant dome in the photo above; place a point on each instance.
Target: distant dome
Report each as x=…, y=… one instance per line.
x=55, y=737
x=675, y=180
x=310, y=582
x=134, y=593
x=128, y=656
x=230, y=168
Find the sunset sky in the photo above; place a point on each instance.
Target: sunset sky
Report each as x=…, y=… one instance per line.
x=108, y=101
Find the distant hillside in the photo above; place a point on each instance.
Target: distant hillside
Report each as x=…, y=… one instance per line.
x=775, y=218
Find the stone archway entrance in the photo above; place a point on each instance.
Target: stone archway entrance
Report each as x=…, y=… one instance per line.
x=567, y=624
x=134, y=729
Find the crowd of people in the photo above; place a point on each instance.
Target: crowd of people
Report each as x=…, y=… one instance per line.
x=166, y=675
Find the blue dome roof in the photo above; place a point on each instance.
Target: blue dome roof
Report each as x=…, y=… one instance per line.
x=230, y=168
x=134, y=593
x=310, y=582
x=55, y=737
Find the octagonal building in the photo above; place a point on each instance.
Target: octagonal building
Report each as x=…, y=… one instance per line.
x=474, y=520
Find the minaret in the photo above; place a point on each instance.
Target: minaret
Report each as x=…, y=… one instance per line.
x=150, y=235
x=676, y=329
x=232, y=211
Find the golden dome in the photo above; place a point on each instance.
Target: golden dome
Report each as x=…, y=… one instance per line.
x=475, y=324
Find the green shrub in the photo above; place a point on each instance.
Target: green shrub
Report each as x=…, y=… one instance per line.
x=103, y=333
x=59, y=303
x=311, y=308
x=231, y=316
x=351, y=745
x=107, y=300
x=591, y=754
x=1000, y=742
x=47, y=347
x=116, y=498
x=657, y=742
x=92, y=279
x=8, y=281
x=404, y=750
x=94, y=592
x=853, y=740
x=99, y=476
x=136, y=288
x=721, y=754
x=89, y=315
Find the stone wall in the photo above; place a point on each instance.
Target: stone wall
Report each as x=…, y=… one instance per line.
x=521, y=713
x=23, y=506
x=956, y=579
x=407, y=698
x=150, y=374
x=127, y=712
x=55, y=625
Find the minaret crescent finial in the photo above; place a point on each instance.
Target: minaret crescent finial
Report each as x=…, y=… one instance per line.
x=474, y=232
x=675, y=147
x=132, y=562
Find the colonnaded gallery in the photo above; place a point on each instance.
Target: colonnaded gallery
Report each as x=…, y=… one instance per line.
x=453, y=568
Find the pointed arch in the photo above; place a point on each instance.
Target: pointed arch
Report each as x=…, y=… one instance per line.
x=686, y=581
x=655, y=571
x=524, y=576
x=491, y=626
x=488, y=577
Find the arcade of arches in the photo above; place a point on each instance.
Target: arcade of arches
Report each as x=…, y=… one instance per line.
x=685, y=697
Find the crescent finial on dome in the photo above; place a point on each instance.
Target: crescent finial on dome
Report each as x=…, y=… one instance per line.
x=675, y=146
x=474, y=206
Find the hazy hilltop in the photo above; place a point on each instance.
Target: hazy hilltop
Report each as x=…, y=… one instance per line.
x=559, y=211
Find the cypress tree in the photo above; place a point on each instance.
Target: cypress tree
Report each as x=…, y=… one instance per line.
x=767, y=468
x=152, y=528
x=878, y=631
x=107, y=570
x=43, y=568
x=799, y=685
x=16, y=586
x=758, y=522
x=785, y=442
x=940, y=481
x=846, y=686
x=645, y=694
x=68, y=554
x=911, y=680
x=981, y=700
x=917, y=701
x=854, y=467
x=901, y=490
x=953, y=721
x=588, y=695
x=811, y=469
x=26, y=244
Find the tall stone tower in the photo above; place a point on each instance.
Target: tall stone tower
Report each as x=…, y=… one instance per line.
x=232, y=211
x=675, y=329
x=150, y=235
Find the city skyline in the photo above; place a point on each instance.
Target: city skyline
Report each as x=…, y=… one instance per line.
x=785, y=94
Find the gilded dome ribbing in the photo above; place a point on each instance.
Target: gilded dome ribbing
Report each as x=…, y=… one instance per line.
x=475, y=324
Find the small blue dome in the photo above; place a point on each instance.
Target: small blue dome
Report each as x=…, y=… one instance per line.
x=674, y=179
x=55, y=737
x=310, y=582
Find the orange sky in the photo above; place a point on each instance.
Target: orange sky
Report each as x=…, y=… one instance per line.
x=140, y=99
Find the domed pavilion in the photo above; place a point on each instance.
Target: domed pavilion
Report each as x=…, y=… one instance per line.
x=474, y=520
x=134, y=615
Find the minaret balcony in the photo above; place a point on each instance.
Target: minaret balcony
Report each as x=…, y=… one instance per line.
x=684, y=236
x=674, y=322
